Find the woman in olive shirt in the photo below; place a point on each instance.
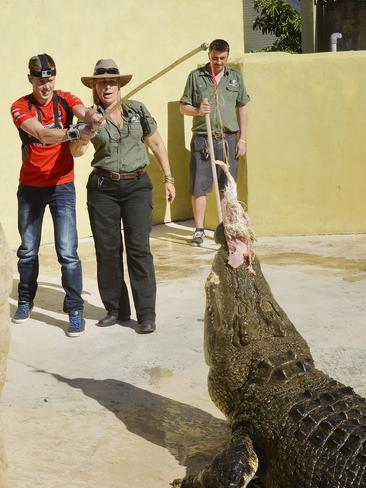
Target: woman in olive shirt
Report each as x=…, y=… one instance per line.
x=119, y=190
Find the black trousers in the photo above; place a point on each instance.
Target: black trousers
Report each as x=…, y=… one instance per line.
x=129, y=202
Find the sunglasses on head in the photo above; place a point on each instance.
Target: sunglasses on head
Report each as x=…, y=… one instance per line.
x=109, y=71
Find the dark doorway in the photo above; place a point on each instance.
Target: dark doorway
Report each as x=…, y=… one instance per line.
x=345, y=16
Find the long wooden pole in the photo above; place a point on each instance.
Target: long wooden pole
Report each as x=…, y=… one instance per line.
x=213, y=164
x=202, y=47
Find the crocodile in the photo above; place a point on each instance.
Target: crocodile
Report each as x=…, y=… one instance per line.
x=292, y=425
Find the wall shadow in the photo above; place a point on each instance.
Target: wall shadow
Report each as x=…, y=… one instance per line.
x=191, y=435
x=179, y=157
x=179, y=164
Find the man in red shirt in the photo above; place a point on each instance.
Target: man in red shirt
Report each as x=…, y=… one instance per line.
x=44, y=119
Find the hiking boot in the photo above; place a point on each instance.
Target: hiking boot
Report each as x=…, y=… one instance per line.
x=197, y=238
x=23, y=312
x=76, y=324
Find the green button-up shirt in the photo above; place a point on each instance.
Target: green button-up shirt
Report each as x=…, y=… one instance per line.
x=231, y=94
x=123, y=150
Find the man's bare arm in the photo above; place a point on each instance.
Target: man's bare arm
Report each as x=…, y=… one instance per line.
x=46, y=136
x=78, y=148
x=202, y=110
x=241, y=145
x=243, y=121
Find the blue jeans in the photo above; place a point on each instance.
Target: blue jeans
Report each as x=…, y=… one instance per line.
x=32, y=202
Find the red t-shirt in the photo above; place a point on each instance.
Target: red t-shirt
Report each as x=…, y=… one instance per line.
x=45, y=165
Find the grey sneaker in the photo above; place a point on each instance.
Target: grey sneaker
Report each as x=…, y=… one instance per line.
x=197, y=238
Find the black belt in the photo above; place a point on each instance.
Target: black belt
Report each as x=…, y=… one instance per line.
x=216, y=135
x=115, y=176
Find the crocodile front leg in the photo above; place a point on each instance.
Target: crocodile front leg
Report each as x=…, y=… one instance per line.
x=234, y=467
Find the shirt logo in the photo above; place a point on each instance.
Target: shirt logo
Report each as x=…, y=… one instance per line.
x=233, y=83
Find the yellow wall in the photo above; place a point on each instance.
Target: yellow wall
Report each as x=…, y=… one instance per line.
x=306, y=161
x=305, y=172
x=142, y=36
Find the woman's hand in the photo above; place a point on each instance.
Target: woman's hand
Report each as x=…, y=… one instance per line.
x=92, y=119
x=170, y=192
x=156, y=144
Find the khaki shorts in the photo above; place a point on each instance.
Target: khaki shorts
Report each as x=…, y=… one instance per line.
x=200, y=164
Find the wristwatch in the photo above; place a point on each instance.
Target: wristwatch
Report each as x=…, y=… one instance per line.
x=73, y=133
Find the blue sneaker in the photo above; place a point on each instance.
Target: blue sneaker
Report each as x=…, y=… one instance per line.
x=22, y=313
x=76, y=324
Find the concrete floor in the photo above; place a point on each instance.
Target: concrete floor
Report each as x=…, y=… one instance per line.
x=115, y=409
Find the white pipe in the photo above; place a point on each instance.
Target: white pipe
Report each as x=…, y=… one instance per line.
x=333, y=41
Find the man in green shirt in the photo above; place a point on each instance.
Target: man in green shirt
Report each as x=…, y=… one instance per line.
x=224, y=89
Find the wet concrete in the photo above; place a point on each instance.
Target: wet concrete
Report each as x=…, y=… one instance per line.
x=349, y=269
x=117, y=409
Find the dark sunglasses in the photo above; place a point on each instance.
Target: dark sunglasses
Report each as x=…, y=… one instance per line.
x=109, y=71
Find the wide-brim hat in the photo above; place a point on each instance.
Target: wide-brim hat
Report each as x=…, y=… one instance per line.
x=105, y=68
